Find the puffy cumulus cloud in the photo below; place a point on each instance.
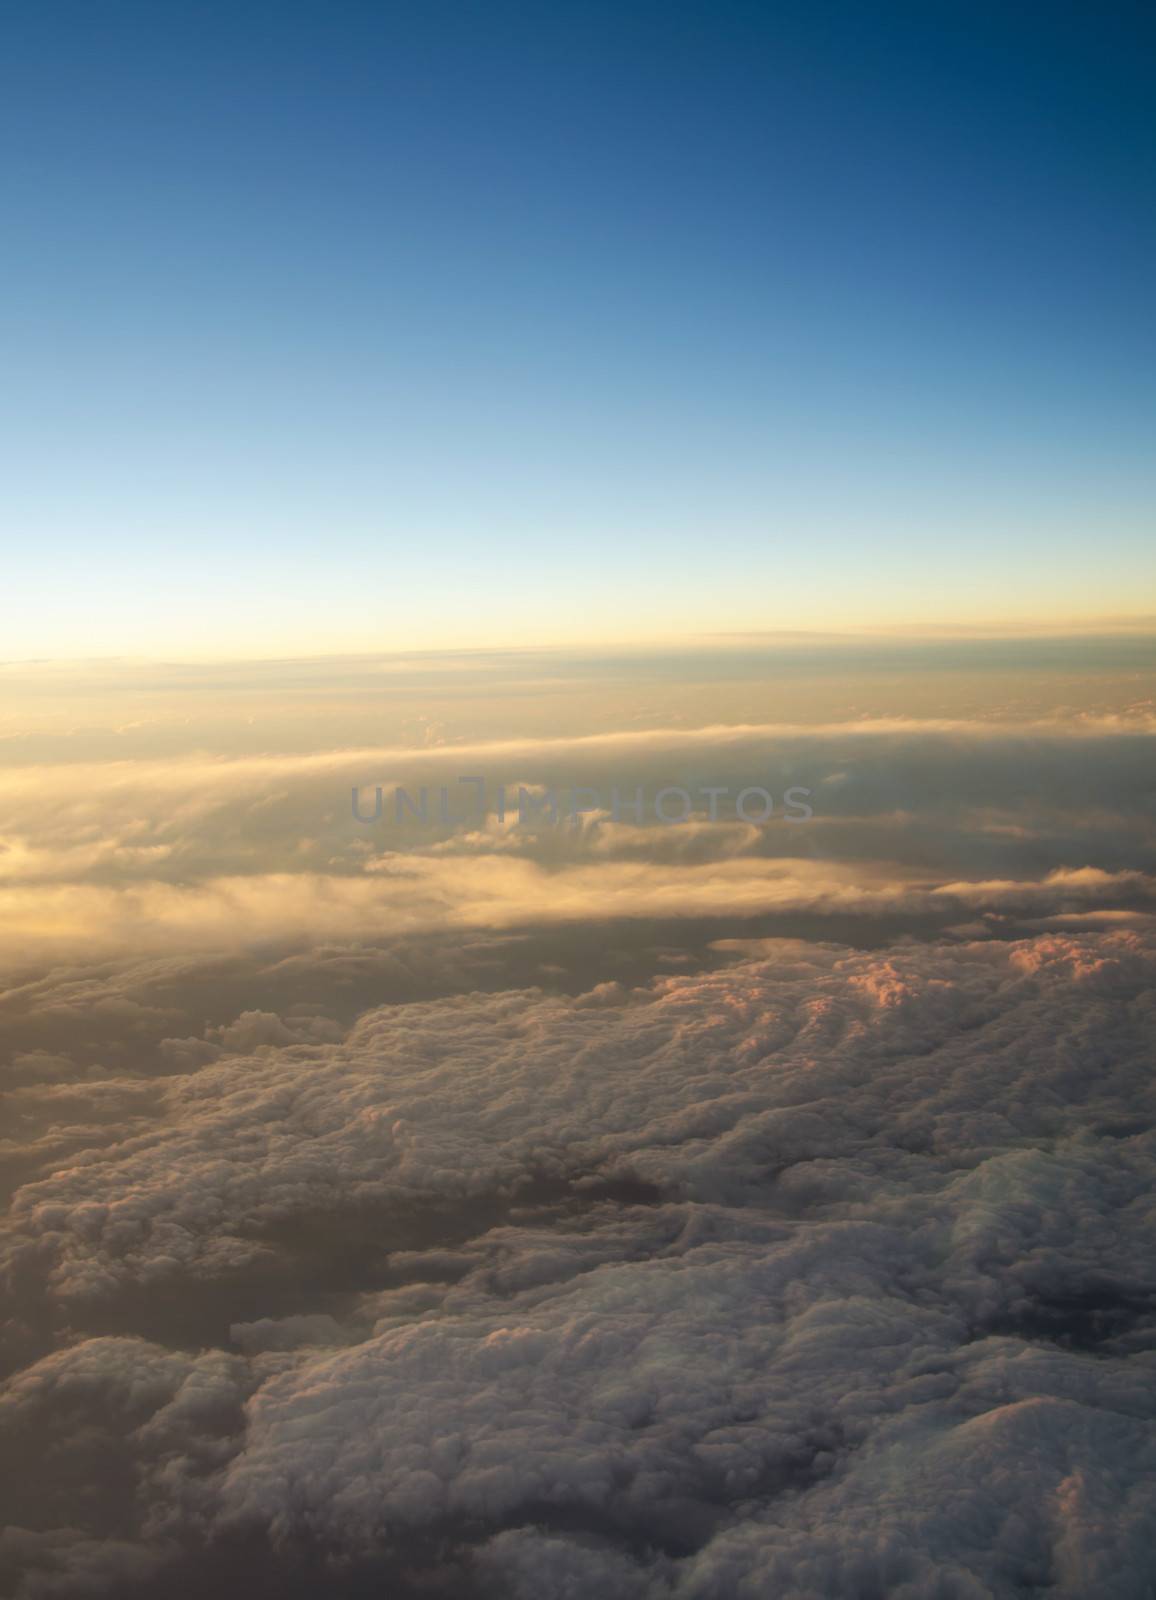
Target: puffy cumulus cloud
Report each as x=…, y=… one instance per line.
x=46, y=1123
x=255, y=1028
x=822, y=1273
x=670, y=1086
x=1049, y=1493
x=92, y=1440
x=147, y=1014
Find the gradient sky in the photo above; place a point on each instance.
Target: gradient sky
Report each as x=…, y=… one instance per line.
x=354, y=325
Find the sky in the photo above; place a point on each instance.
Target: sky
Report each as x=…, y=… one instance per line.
x=693, y=1139
x=372, y=327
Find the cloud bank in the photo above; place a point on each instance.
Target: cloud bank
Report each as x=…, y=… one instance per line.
x=823, y=1272
x=933, y=820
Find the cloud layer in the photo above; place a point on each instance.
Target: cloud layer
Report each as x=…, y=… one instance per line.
x=216, y=854
x=824, y=1272
x=484, y=1212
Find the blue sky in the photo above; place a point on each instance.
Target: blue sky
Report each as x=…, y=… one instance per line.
x=350, y=325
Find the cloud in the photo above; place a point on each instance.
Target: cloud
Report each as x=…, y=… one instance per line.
x=225, y=854
x=821, y=1272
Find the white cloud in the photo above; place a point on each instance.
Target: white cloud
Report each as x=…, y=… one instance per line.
x=825, y=1273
